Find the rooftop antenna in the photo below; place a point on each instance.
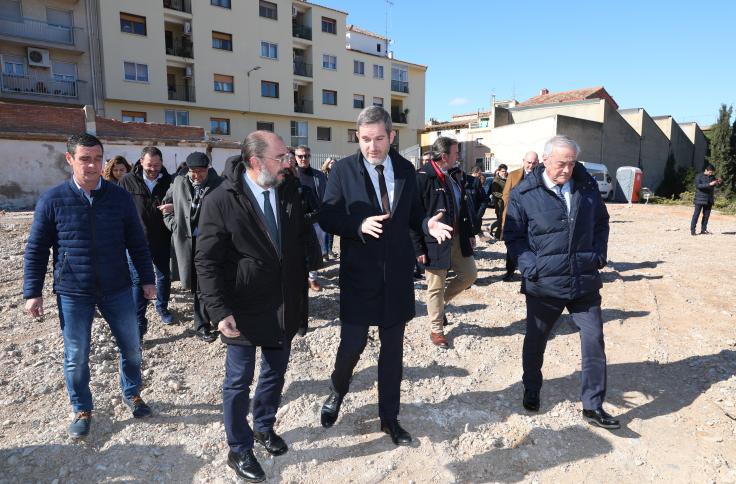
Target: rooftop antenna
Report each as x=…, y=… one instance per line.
x=389, y=4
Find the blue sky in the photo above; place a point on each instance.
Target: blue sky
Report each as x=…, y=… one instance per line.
x=669, y=57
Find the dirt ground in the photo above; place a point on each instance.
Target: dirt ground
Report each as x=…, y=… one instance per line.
x=669, y=311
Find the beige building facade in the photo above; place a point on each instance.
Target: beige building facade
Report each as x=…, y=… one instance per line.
x=236, y=66
x=48, y=49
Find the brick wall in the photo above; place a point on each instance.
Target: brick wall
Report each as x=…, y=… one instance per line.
x=112, y=127
x=31, y=118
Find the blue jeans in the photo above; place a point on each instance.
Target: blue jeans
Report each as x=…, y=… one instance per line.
x=75, y=314
x=161, y=257
x=240, y=364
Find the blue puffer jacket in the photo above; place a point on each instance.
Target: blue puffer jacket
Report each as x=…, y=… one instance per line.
x=88, y=242
x=559, y=255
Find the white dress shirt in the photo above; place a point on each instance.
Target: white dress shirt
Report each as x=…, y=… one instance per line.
x=388, y=174
x=151, y=184
x=89, y=196
x=565, y=190
x=257, y=191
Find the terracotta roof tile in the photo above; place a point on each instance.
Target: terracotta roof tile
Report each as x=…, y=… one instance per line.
x=570, y=96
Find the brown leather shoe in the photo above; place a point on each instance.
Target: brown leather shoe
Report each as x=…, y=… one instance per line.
x=439, y=340
x=314, y=286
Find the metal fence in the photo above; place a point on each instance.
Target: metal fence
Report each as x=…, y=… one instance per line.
x=38, y=85
x=36, y=29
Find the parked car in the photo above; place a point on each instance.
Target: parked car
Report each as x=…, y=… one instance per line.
x=600, y=173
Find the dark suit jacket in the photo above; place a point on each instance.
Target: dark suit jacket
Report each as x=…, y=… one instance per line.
x=241, y=271
x=376, y=275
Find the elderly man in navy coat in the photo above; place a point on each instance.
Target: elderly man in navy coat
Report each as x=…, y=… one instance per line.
x=371, y=202
x=557, y=229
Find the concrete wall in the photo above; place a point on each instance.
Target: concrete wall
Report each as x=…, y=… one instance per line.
x=588, y=134
x=35, y=165
x=620, y=141
x=680, y=146
x=510, y=143
x=592, y=110
x=654, y=146
x=700, y=144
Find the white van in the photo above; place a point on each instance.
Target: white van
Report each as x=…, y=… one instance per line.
x=600, y=173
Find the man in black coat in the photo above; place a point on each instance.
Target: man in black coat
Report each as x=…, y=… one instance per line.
x=441, y=192
x=371, y=203
x=705, y=186
x=556, y=228
x=148, y=183
x=251, y=265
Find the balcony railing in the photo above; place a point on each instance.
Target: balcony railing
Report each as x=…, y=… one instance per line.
x=400, y=86
x=398, y=117
x=302, y=69
x=180, y=5
x=182, y=92
x=301, y=31
x=304, y=106
x=42, y=86
x=181, y=47
x=36, y=29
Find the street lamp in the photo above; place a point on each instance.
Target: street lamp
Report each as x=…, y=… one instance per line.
x=247, y=74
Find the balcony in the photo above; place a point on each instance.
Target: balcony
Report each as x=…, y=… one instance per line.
x=301, y=31
x=304, y=106
x=182, y=92
x=302, y=69
x=400, y=86
x=398, y=117
x=39, y=86
x=180, y=47
x=179, y=5
x=27, y=28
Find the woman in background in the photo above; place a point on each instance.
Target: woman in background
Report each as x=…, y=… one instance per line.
x=115, y=169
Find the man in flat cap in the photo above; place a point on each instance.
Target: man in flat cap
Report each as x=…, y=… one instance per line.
x=185, y=196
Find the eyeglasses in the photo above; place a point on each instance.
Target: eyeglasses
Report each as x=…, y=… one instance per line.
x=304, y=156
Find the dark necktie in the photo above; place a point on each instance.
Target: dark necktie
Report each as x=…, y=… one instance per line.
x=273, y=228
x=558, y=191
x=384, y=191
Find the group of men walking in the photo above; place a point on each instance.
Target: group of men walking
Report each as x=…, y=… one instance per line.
x=242, y=246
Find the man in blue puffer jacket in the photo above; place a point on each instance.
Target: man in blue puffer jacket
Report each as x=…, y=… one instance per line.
x=89, y=223
x=557, y=230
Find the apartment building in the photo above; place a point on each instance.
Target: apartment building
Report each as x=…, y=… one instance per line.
x=292, y=67
x=48, y=49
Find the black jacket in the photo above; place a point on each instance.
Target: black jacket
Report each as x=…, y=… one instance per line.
x=704, y=193
x=241, y=272
x=146, y=203
x=436, y=195
x=376, y=275
x=559, y=255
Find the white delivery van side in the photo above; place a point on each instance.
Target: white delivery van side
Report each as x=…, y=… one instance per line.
x=600, y=173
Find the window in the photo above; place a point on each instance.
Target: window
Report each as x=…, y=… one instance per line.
x=378, y=47
x=64, y=71
x=268, y=10
x=377, y=71
x=222, y=41
x=269, y=89
x=299, y=133
x=176, y=118
x=329, y=25
x=269, y=50
x=324, y=134
x=224, y=83
x=264, y=126
x=135, y=72
x=352, y=136
x=132, y=24
x=133, y=117
x=220, y=3
x=358, y=101
x=329, y=97
x=329, y=61
x=359, y=67
x=14, y=66
x=10, y=9
x=219, y=126
x=378, y=101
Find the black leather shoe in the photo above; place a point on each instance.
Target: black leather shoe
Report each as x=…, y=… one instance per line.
x=331, y=409
x=531, y=400
x=205, y=334
x=274, y=444
x=399, y=436
x=138, y=407
x=80, y=425
x=705, y=232
x=601, y=418
x=246, y=466
x=508, y=277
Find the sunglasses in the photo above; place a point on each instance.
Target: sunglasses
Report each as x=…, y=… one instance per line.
x=303, y=156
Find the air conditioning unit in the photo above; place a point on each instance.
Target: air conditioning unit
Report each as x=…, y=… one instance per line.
x=188, y=71
x=38, y=57
x=187, y=28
